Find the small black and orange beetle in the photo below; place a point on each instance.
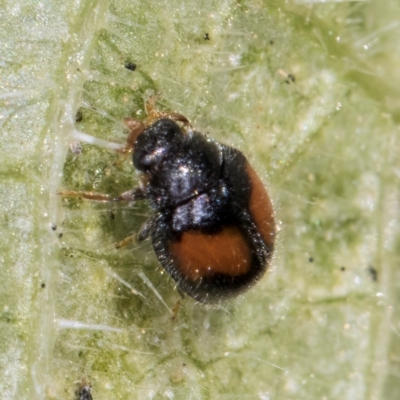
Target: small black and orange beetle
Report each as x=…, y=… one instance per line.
x=213, y=229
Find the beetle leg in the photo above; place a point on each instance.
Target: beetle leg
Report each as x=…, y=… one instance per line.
x=126, y=241
x=130, y=195
x=146, y=229
x=144, y=232
x=175, y=309
x=85, y=195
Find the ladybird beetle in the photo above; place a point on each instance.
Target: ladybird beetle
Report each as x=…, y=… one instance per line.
x=213, y=228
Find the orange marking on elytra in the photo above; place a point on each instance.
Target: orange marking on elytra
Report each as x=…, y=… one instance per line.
x=225, y=252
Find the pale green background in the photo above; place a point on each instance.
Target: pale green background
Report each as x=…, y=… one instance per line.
x=318, y=326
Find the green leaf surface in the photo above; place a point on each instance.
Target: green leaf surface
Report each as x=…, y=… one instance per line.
x=309, y=91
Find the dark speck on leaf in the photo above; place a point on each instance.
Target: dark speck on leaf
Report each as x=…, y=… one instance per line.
x=131, y=66
x=79, y=116
x=373, y=272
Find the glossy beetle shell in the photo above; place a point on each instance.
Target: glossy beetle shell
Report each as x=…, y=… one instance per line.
x=214, y=226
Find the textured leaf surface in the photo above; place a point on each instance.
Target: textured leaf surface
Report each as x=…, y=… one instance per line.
x=324, y=322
